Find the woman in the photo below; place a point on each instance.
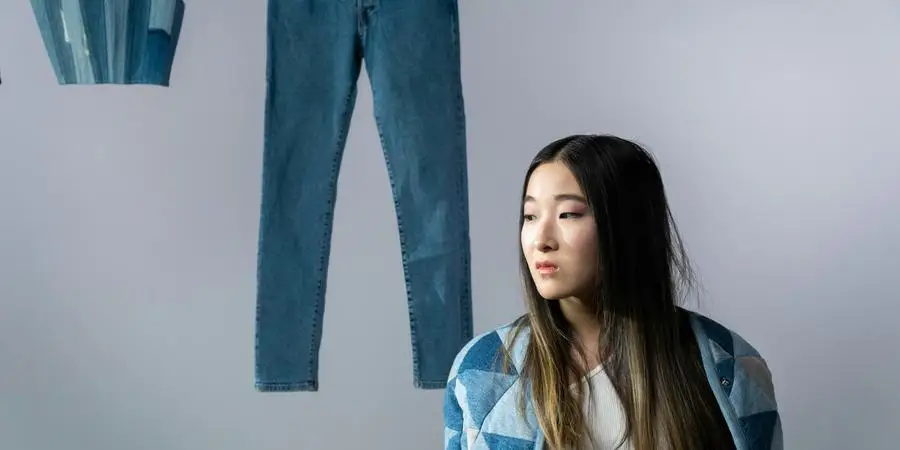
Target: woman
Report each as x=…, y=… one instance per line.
x=605, y=357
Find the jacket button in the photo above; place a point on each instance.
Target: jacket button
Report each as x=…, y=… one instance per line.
x=725, y=381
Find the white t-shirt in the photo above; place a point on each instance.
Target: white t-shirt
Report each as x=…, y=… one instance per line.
x=603, y=412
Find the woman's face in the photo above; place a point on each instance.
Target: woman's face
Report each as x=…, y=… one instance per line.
x=559, y=235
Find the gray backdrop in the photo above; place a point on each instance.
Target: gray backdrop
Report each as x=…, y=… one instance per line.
x=128, y=218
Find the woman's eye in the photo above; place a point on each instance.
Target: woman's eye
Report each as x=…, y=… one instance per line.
x=569, y=215
x=528, y=217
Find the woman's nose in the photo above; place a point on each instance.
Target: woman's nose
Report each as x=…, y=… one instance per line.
x=544, y=241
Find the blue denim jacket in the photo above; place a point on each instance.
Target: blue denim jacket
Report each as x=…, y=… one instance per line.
x=480, y=406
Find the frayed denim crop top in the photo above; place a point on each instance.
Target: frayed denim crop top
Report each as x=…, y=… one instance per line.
x=110, y=41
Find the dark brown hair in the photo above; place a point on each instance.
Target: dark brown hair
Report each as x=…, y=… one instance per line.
x=646, y=343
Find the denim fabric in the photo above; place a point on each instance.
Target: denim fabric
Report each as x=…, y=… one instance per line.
x=110, y=41
x=411, y=52
x=481, y=401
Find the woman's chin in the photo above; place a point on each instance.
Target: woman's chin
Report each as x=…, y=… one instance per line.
x=552, y=294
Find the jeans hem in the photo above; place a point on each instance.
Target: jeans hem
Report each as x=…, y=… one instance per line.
x=305, y=386
x=431, y=384
x=133, y=82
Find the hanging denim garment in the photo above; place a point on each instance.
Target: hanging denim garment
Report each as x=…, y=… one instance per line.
x=110, y=41
x=410, y=49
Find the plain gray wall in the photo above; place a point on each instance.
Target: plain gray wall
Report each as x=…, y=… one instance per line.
x=128, y=218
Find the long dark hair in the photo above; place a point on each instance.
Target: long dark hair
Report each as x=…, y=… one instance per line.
x=646, y=344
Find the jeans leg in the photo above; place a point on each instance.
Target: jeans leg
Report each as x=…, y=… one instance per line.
x=312, y=69
x=411, y=50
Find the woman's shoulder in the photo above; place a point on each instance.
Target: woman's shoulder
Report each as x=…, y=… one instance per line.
x=483, y=389
x=736, y=359
x=744, y=379
x=486, y=351
x=722, y=338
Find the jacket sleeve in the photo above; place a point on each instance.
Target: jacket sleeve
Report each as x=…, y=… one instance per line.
x=777, y=433
x=762, y=428
x=777, y=437
x=453, y=419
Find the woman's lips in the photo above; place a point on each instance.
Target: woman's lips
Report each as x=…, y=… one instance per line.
x=546, y=267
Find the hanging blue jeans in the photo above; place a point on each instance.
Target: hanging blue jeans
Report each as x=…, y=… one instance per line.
x=411, y=52
x=110, y=41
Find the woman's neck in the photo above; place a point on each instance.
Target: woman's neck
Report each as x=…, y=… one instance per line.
x=586, y=329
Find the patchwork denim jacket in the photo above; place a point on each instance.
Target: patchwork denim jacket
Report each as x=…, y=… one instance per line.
x=480, y=406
